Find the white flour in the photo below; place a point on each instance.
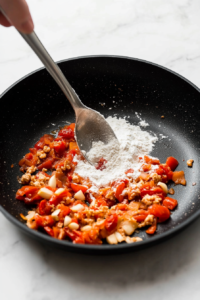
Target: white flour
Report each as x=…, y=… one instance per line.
x=134, y=143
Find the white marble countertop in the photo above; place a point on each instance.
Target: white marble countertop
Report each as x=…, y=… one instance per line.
x=165, y=32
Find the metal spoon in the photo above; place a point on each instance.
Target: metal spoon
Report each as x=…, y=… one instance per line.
x=91, y=126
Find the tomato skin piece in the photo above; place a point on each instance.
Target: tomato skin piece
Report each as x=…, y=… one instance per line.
x=111, y=223
x=44, y=208
x=119, y=190
x=170, y=203
x=47, y=164
x=172, y=163
x=49, y=230
x=78, y=187
x=159, y=211
x=43, y=221
x=152, y=228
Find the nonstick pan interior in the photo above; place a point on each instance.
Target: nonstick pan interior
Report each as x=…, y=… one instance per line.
x=112, y=85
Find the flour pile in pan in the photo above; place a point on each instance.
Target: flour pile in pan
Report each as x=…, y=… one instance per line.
x=134, y=143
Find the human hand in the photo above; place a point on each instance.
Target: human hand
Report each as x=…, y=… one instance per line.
x=18, y=14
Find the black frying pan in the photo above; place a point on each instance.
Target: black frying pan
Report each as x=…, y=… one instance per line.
x=35, y=105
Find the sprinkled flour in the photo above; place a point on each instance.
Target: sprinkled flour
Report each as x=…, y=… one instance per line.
x=134, y=143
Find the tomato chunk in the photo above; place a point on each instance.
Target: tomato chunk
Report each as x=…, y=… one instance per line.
x=172, y=163
x=111, y=223
x=159, y=211
x=119, y=190
x=47, y=164
x=43, y=221
x=78, y=187
x=179, y=177
x=152, y=228
x=67, y=133
x=170, y=203
x=44, y=208
x=28, y=194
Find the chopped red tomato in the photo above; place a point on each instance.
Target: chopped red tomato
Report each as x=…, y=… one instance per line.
x=179, y=177
x=151, y=160
x=78, y=187
x=49, y=230
x=140, y=218
x=129, y=171
x=172, y=163
x=67, y=133
x=44, y=208
x=28, y=194
x=43, y=221
x=47, y=164
x=170, y=203
x=119, y=190
x=111, y=223
x=75, y=236
x=64, y=211
x=59, y=147
x=152, y=191
x=56, y=199
x=159, y=211
x=152, y=228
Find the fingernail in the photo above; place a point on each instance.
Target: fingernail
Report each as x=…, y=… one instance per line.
x=27, y=26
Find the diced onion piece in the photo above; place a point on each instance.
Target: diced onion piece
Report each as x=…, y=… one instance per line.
x=77, y=207
x=86, y=228
x=59, y=191
x=52, y=181
x=129, y=227
x=30, y=215
x=119, y=237
x=73, y=226
x=79, y=196
x=55, y=214
x=163, y=186
x=112, y=239
x=67, y=220
x=45, y=193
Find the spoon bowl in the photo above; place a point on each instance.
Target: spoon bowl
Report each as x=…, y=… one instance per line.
x=92, y=127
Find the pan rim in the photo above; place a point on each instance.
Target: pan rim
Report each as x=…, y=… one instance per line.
x=98, y=249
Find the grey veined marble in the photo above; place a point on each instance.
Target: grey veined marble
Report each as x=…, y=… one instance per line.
x=164, y=32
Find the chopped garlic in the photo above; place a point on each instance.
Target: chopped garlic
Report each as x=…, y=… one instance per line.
x=112, y=239
x=79, y=196
x=129, y=227
x=55, y=214
x=45, y=193
x=86, y=228
x=52, y=181
x=73, y=226
x=67, y=220
x=163, y=187
x=77, y=207
x=119, y=237
x=59, y=191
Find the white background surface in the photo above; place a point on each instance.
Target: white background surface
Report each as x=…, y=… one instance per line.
x=165, y=32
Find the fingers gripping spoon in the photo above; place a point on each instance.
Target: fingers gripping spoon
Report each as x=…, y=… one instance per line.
x=91, y=126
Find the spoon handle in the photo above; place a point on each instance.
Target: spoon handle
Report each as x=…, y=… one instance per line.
x=51, y=67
